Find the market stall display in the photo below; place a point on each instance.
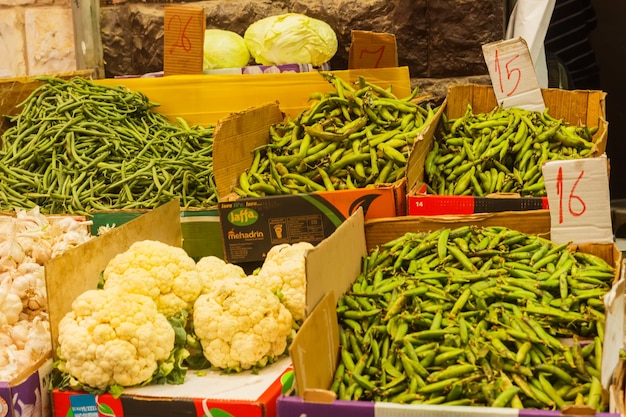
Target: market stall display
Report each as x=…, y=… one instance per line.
x=354, y=136
x=474, y=161
x=325, y=287
x=76, y=146
x=502, y=151
x=165, y=314
x=474, y=316
x=417, y=326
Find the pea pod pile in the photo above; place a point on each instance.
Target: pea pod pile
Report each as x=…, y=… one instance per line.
x=474, y=316
x=353, y=137
x=501, y=151
x=77, y=146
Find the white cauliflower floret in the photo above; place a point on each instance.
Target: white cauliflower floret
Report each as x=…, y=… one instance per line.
x=113, y=337
x=241, y=325
x=165, y=273
x=283, y=271
x=213, y=269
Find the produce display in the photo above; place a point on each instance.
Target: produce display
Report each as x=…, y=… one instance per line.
x=157, y=313
x=77, y=146
x=480, y=316
x=465, y=316
x=353, y=137
x=27, y=241
x=501, y=151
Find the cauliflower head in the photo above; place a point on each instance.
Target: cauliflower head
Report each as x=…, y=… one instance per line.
x=241, y=325
x=213, y=269
x=112, y=337
x=165, y=273
x=284, y=273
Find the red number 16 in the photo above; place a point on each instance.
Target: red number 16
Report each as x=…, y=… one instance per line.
x=571, y=196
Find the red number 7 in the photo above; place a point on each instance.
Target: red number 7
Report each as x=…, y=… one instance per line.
x=380, y=51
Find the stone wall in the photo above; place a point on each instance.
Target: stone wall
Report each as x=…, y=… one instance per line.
x=36, y=37
x=435, y=38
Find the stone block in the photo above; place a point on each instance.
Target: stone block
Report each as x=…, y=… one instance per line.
x=12, y=46
x=50, y=40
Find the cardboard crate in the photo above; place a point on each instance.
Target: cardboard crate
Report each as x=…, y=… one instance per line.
x=334, y=264
x=251, y=226
x=202, y=235
x=575, y=107
x=76, y=271
x=27, y=394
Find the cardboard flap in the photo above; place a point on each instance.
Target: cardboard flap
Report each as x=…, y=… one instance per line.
x=234, y=139
x=78, y=269
x=421, y=147
x=314, y=351
x=332, y=265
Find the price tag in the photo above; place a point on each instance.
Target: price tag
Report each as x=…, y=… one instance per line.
x=183, y=47
x=513, y=74
x=372, y=50
x=579, y=200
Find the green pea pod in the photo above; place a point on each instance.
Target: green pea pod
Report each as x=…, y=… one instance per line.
x=505, y=397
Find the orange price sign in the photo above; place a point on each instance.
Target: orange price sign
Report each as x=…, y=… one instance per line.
x=372, y=50
x=513, y=75
x=183, y=40
x=579, y=200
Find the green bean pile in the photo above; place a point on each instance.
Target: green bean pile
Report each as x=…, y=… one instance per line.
x=353, y=137
x=501, y=151
x=77, y=146
x=474, y=316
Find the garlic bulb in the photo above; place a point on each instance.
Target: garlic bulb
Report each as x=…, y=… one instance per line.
x=27, y=241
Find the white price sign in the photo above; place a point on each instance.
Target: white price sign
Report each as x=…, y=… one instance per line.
x=513, y=74
x=579, y=200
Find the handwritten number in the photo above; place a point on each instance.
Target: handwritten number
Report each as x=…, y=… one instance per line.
x=182, y=40
x=571, y=197
x=380, y=52
x=510, y=72
x=559, y=192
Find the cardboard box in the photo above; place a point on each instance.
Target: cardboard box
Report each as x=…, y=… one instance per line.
x=251, y=226
x=207, y=99
x=76, y=271
x=27, y=394
x=202, y=235
x=334, y=264
x=213, y=394
x=575, y=107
